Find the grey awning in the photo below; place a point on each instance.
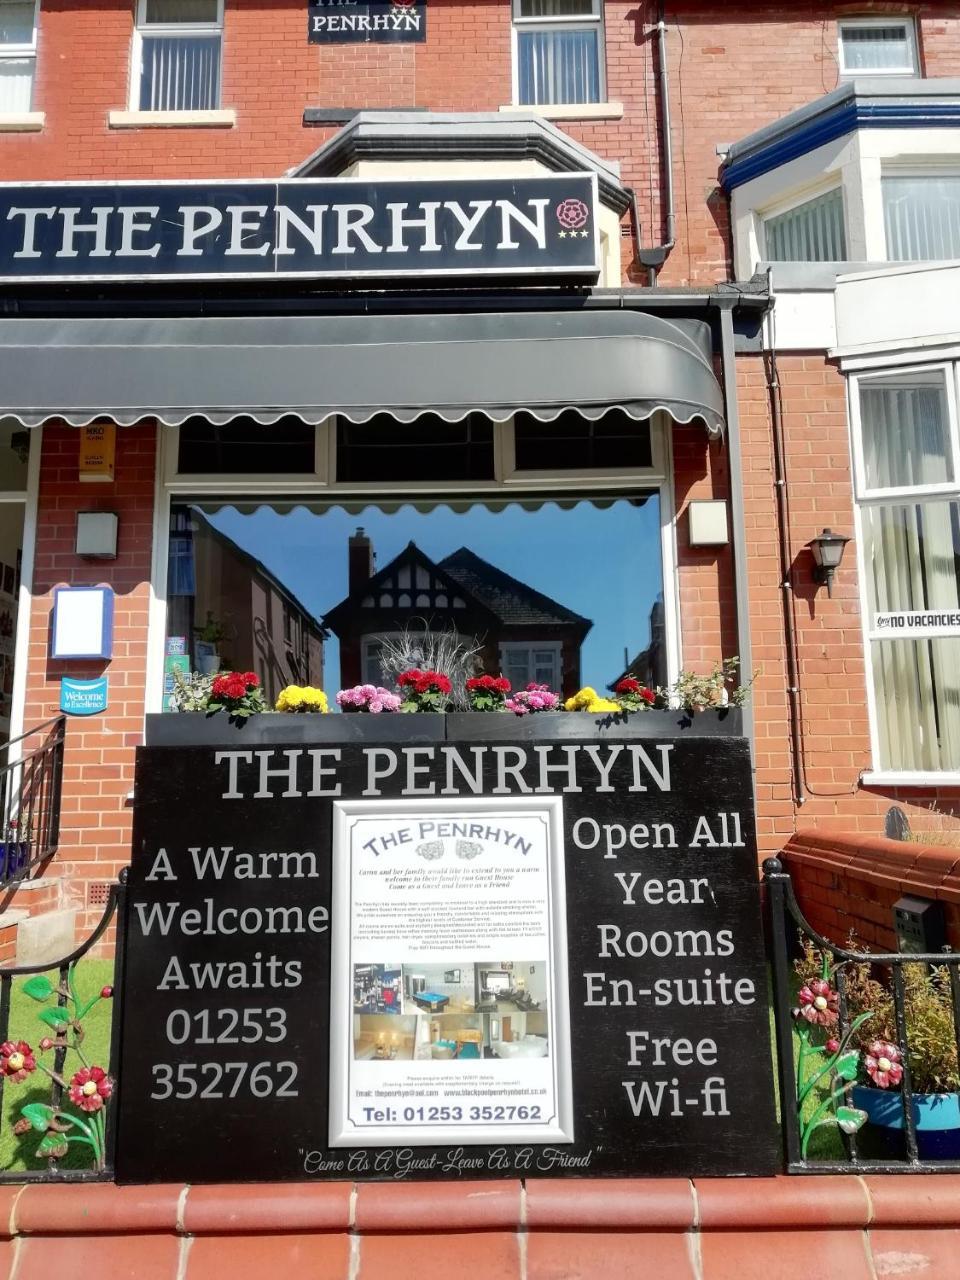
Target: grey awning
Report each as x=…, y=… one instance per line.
x=225, y=367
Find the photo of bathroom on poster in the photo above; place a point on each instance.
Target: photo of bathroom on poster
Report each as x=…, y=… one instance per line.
x=449, y=977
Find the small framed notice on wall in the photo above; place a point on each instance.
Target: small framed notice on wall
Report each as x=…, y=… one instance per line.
x=82, y=623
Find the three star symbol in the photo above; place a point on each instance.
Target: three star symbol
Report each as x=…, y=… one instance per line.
x=573, y=234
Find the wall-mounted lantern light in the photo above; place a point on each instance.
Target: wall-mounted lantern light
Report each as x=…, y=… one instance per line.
x=827, y=549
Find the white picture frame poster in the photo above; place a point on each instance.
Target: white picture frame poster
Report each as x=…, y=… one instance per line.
x=434, y=1040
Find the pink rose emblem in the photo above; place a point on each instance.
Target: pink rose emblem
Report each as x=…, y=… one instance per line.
x=572, y=214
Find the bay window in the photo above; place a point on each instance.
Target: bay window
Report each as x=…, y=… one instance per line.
x=558, y=52
x=812, y=231
x=906, y=444
x=18, y=55
x=176, y=55
x=921, y=216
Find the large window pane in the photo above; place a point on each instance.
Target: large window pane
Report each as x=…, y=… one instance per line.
x=558, y=66
x=429, y=448
x=917, y=690
x=913, y=557
x=16, y=22
x=556, y=8
x=905, y=433
x=16, y=84
x=243, y=447
x=573, y=442
x=877, y=48
x=168, y=12
x=180, y=73
x=812, y=232
x=922, y=217
x=317, y=594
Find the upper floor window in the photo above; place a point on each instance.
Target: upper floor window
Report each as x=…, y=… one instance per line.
x=809, y=232
x=18, y=54
x=559, y=51
x=921, y=216
x=177, y=55
x=878, y=47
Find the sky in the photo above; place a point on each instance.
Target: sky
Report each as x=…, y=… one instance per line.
x=602, y=562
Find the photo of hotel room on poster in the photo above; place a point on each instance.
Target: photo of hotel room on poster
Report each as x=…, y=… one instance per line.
x=449, y=976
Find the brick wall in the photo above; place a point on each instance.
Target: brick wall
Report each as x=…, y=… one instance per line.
x=98, y=768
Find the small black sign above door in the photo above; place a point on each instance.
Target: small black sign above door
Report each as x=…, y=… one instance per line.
x=367, y=21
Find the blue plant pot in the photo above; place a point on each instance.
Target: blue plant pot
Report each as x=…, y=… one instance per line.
x=936, y=1115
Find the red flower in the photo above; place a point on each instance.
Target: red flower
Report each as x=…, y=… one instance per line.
x=425, y=681
x=883, y=1063
x=832, y=1045
x=89, y=1088
x=16, y=1060
x=818, y=1003
x=106, y=993
x=496, y=684
x=572, y=214
x=627, y=685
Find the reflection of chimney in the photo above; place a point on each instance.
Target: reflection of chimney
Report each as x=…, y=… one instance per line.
x=359, y=560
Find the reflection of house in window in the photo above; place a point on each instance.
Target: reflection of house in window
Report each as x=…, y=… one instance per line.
x=650, y=664
x=520, y=630
x=213, y=583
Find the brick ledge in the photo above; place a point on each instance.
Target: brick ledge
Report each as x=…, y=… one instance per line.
x=571, y=1229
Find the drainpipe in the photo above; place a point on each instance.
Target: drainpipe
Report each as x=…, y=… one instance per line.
x=786, y=570
x=654, y=257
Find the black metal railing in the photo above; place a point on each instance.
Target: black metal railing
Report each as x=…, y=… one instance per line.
x=45, y=1088
x=31, y=785
x=861, y=1148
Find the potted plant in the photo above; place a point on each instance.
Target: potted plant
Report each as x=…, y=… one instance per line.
x=209, y=638
x=931, y=1056
x=371, y=698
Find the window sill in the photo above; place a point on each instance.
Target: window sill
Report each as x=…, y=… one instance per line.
x=21, y=121
x=570, y=110
x=172, y=119
x=893, y=779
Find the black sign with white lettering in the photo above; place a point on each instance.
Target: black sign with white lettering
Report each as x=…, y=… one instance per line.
x=230, y=1054
x=367, y=21
x=325, y=228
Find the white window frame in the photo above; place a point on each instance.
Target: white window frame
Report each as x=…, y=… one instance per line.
x=918, y=168
x=578, y=21
x=25, y=50
x=172, y=486
x=864, y=500
x=141, y=27
x=890, y=20
x=833, y=182
x=555, y=647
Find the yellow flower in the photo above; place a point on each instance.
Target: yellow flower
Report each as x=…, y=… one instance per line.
x=582, y=699
x=587, y=699
x=603, y=704
x=295, y=698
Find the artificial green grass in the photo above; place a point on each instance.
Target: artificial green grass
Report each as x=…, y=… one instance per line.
x=16, y=1150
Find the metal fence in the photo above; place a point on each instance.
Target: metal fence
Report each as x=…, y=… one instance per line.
x=831, y=1096
x=31, y=784
x=58, y=1011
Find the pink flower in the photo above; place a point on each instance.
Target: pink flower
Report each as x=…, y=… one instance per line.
x=90, y=1087
x=883, y=1062
x=819, y=1003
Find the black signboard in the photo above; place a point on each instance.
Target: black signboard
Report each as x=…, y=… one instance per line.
x=324, y=228
x=227, y=1045
x=367, y=21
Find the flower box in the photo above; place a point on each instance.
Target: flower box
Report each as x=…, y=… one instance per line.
x=936, y=1115
x=192, y=728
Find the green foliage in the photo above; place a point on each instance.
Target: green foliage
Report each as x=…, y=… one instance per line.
x=720, y=688
x=192, y=692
